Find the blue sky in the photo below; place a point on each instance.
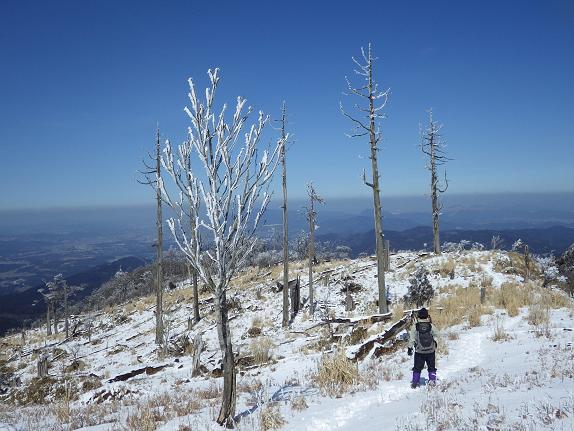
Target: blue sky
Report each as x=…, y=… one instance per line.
x=82, y=85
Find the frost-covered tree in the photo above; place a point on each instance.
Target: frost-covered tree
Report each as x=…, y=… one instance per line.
x=367, y=123
x=433, y=147
x=496, y=242
x=55, y=291
x=230, y=185
x=420, y=289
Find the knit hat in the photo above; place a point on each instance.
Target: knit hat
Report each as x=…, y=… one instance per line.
x=423, y=313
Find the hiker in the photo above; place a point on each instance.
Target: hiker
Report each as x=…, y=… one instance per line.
x=422, y=340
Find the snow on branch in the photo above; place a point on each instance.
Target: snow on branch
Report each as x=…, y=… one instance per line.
x=220, y=205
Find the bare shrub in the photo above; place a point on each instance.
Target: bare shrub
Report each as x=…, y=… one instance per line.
x=299, y=403
x=143, y=419
x=538, y=315
x=500, y=333
x=452, y=335
x=270, y=417
x=261, y=348
x=336, y=374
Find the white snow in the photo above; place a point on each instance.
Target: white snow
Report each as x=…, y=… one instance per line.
x=525, y=382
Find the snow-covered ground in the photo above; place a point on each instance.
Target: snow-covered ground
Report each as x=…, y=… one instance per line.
x=524, y=380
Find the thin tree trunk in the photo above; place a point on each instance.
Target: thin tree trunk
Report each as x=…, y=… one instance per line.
x=227, y=410
x=285, y=321
x=55, y=314
x=379, y=236
x=159, y=272
x=48, y=318
x=194, y=282
x=311, y=258
x=66, y=323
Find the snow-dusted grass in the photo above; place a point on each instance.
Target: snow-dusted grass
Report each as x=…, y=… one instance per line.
x=504, y=364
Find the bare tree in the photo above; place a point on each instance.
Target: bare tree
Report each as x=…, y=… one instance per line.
x=368, y=124
x=233, y=182
x=55, y=291
x=285, y=321
x=311, y=214
x=433, y=147
x=49, y=293
x=152, y=175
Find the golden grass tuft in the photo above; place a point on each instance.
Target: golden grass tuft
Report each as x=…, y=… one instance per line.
x=446, y=267
x=261, y=348
x=270, y=418
x=454, y=306
x=336, y=374
x=500, y=333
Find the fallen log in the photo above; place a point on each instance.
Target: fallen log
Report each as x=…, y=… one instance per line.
x=149, y=370
x=359, y=351
x=363, y=320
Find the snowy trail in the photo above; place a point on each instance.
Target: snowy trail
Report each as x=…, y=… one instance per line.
x=380, y=408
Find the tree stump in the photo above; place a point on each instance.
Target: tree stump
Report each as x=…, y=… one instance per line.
x=198, y=345
x=43, y=365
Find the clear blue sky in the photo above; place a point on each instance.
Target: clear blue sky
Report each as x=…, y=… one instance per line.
x=83, y=83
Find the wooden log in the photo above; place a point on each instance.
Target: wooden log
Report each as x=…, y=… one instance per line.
x=359, y=351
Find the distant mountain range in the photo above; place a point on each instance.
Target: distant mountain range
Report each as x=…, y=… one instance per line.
x=554, y=239
x=29, y=305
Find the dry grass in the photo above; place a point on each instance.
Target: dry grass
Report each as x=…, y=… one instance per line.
x=142, y=419
x=270, y=417
x=299, y=403
x=474, y=316
x=261, y=348
x=454, y=307
x=538, y=315
x=500, y=333
x=446, y=267
x=512, y=296
x=336, y=374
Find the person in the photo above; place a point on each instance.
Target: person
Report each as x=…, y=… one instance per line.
x=422, y=340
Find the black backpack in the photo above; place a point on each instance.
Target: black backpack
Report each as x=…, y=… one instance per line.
x=425, y=341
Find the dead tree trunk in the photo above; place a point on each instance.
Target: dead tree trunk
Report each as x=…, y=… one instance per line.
x=159, y=270
x=48, y=318
x=526, y=264
x=434, y=149
x=66, y=311
x=198, y=345
x=43, y=365
x=370, y=92
x=311, y=214
x=285, y=321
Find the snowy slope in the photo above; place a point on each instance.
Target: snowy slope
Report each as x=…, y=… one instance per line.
x=524, y=382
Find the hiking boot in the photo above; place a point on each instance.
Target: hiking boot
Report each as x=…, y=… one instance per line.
x=416, y=379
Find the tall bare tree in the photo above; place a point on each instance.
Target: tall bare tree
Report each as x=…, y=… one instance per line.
x=230, y=183
x=433, y=147
x=311, y=214
x=285, y=224
x=152, y=175
x=367, y=123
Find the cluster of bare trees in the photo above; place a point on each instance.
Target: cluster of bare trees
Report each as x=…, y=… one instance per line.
x=56, y=294
x=219, y=190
